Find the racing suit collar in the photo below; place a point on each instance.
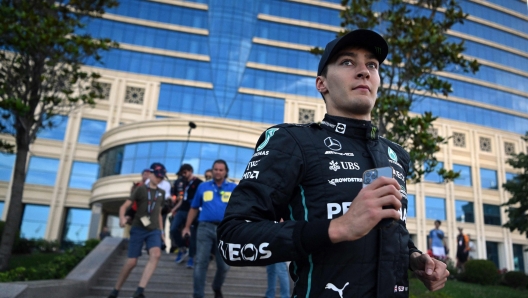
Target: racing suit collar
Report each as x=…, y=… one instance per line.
x=350, y=127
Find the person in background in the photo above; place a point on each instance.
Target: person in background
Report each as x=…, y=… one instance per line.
x=208, y=175
x=462, y=253
x=185, y=190
x=212, y=196
x=146, y=229
x=131, y=211
x=437, y=242
x=472, y=248
x=104, y=233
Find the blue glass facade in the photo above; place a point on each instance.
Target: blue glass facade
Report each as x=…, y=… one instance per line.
x=134, y=157
x=231, y=26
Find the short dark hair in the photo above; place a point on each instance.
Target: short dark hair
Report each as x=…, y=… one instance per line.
x=438, y=221
x=185, y=167
x=223, y=162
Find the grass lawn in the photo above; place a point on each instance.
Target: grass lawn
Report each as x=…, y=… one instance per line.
x=31, y=260
x=458, y=289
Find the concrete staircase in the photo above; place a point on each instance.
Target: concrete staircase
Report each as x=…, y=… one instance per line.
x=175, y=280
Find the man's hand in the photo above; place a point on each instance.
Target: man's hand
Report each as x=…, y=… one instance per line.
x=186, y=232
x=122, y=221
x=431, y=272
x=366, y=210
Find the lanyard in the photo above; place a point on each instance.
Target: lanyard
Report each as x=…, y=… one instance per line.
x=187, y=188
x=151, y=206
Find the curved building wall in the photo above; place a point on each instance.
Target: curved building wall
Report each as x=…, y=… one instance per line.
x=235, y=71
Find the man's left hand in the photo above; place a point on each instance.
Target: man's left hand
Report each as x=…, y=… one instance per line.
x=431, y=272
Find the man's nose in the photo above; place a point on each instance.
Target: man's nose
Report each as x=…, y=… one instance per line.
x=363, y=72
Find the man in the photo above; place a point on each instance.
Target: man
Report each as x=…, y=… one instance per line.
x=437, y=242
x=462, y=249
x=341, y=240
x=208, y=174
x=185, y=190
x=212, y=196
x=146, y=229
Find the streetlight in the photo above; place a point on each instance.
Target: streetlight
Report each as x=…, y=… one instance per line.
x=192, y=126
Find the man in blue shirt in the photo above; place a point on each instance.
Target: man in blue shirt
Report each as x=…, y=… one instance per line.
x=212, y=196
x=437, y=241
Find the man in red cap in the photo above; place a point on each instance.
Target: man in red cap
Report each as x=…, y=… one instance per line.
x=146, y=229
x=344, y=240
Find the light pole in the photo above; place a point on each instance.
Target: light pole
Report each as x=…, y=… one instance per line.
x=192, y=126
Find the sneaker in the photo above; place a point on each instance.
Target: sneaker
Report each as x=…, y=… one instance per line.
x=181, y=256
x=190, y=263
x=136, y=295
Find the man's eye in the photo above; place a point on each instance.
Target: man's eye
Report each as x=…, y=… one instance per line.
x=372, y=65
x=347, y=62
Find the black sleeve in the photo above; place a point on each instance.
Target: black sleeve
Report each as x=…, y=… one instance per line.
x=251, y=232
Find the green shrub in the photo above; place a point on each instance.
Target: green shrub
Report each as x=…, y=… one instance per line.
x=515, y=279
x=481, y=272
x=57, y=269
x=453, y=271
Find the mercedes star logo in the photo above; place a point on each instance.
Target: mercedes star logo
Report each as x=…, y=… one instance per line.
x=332, y=144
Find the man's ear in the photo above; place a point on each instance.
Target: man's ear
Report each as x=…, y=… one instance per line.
x=320, y=84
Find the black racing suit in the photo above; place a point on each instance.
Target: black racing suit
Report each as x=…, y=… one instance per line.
x=308, y=175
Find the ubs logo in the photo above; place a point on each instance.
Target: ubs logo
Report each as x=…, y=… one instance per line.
x=332, y=144
x=340, y=128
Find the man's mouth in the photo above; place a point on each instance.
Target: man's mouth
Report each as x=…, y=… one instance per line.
x=361, y=87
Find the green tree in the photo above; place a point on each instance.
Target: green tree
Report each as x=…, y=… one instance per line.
x=518, y=188
x=41, y=76
x=419, y=50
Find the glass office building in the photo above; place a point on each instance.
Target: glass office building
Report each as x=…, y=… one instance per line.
x=235, y=68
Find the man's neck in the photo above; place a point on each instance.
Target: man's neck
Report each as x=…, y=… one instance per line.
x=219, y=182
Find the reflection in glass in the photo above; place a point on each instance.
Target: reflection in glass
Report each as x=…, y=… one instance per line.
x=411, y=205
x=433, y=176
x=83, y=174
x=518, y=257
x=91, y=131
x=34, y=221
x=42, y=170
x=1, y=208
x=492, y=215
x=435, y=208
x=77, y=225
x=465, y=175
x=6, y=166
x=59, y=123
x=464, y=211
x=492, y=252
x=133, y=158
x=488, y=179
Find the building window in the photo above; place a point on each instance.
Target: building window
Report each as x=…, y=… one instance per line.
x=434, y=176
x=465, y=175
x=91, y=131
x=464, y=211
x=76, y=225
x=57, y=131
x=83, y=174
x=34, y=221
x=411, y=206
x=518, y=258
x=488, y=179
x=459, y=139
x=509, y=148
x=435, y=208
x=492, y=215
x=2, y=204
x=510, y=176
x=485, y=144
x=6, y=166
x=306, y=115
x=492, y=251
x=42, y=170
x=134, y=95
